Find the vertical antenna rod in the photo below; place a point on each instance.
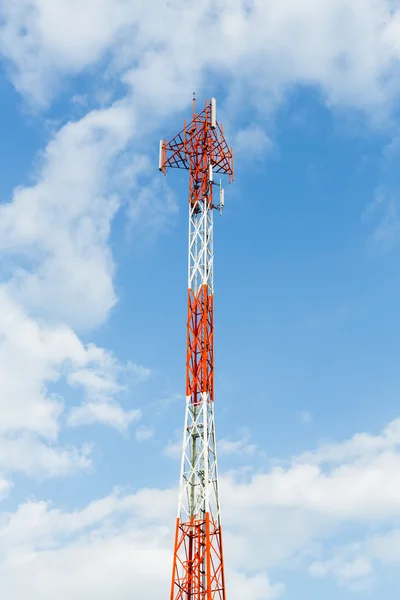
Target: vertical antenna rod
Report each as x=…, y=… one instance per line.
x=198, y=564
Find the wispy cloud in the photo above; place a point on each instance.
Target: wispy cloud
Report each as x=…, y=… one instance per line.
x=152, y=209
x=252, y=143
x=304, y=417
x=385, y=213
x=144, y=433
x=173, y=448
x=108, y=413
x=165, y=403
x=242, y=446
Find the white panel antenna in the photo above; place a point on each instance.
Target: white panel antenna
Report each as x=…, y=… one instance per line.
x=213, y=113
x=221, y=198
x=160, y=158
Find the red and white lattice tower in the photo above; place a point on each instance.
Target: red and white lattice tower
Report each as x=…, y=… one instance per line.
x=198, y=564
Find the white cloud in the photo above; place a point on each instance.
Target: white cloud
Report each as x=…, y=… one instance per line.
x=60, y=226
x=270, y=519
x=354, y=565
x=346, y=571
x=320, y=495
x=331, y=494
x=137, y=372
x=384, y=547
x=100, y=381
x=28, y=454
x=55, y=236
x=255, y=587
x=95, y=382
x=267, y=46
x=317, y=496
x=242, y=446
x=144, y=433
x=110, y=547
x=37, y=38
x=106, y=559
x=34, y=357
x=384, y=208
x=360, y=446
x=173, y=449
x=58, y=275
x=108, y=413
x=4, y=487
x=152, y=209
x=252, y=142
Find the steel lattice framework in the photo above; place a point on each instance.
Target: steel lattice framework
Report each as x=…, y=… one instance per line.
x=198, y=564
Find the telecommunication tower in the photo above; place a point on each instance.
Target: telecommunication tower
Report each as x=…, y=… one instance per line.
x=198, y=562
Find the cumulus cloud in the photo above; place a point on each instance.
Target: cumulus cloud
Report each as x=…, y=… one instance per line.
x=111, y=546
x=38, y=542
x=354, y=565
x=37, y=38
x=271, y=519
x=35, y=357
x=315, y=497
x=59, y=227
x=267, y=46
x=57, y=277
x=55, y=235
x=27, y=454
x=348, y=572
x=319, y=496
x=361, y=445
x=331, y=493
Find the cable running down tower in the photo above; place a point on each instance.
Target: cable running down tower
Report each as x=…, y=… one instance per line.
x=198, y=562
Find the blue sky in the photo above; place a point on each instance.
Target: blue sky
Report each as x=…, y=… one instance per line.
x=93, y=246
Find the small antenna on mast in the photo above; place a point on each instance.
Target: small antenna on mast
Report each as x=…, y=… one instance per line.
x=221, y=197
x=194, y=103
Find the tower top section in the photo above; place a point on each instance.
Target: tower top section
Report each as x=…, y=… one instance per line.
x=201, y=142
